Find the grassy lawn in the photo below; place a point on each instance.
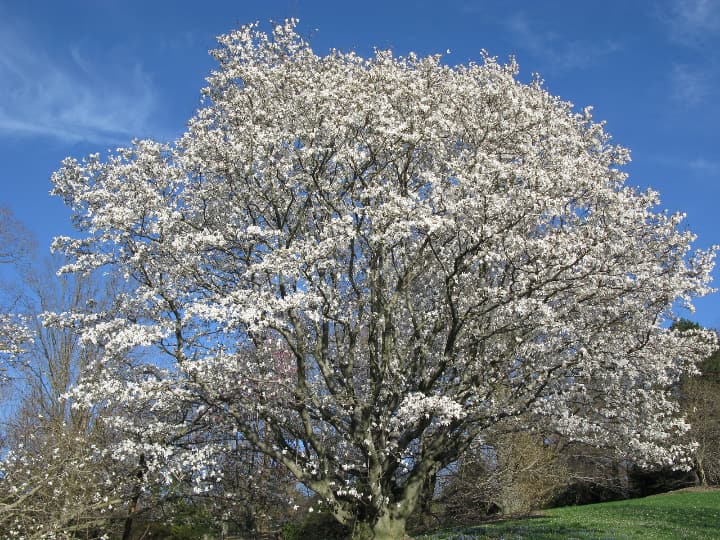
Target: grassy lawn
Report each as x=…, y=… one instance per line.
x=686, y=514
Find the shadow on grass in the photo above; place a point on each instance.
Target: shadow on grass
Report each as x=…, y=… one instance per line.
x=535, y=527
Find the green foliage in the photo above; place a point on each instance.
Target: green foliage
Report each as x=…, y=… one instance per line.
x=683, y=325
x=691, y=515
x=178, y=531
x=361, y=531
x=181, y=521
x=710, y=367
x=317, y=525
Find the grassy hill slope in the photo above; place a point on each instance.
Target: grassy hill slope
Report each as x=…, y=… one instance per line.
x=684, y=514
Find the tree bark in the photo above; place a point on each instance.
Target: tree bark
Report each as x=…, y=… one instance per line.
x=127, y=530
x=389, y=527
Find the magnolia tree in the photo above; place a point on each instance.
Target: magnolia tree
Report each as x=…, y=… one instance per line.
x=362, y=265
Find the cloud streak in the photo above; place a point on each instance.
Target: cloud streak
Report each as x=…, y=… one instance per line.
x=693, y=26
x=705, y=167
x=690, y=85
x=550, y=47
x=63, y=95
x=692, y=22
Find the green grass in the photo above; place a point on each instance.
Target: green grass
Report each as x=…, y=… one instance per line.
x=679, y=515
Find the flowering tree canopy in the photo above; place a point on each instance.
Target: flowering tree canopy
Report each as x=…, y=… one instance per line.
x=361, y=265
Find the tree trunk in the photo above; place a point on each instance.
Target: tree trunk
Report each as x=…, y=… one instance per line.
x=701, y=471
x=424, y=505
x=139, y=475
x=388, y=527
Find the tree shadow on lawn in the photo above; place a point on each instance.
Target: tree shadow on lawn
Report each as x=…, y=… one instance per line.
x=535, y=527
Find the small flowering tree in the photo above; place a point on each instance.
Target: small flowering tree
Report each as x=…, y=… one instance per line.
x=361, y=266
x=57, y=475
x=60, y=485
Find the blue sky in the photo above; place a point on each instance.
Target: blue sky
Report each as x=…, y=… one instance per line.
x=84, y=76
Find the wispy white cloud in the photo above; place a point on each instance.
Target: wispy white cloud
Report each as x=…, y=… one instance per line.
x=690, y=85
x=705, y=167
x=65, y=95
x=693, y=25
x=182, y=41
x=554, y=49
x=692, y=22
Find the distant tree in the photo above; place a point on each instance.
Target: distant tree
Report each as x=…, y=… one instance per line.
x=702, y=407
x=59, y=484
x=699, y=395
x=513, y=473
x=56, y=357
x=14, y=335
x=59, y=478
x=440, y=250
x=255, y=494
x=15, y=244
